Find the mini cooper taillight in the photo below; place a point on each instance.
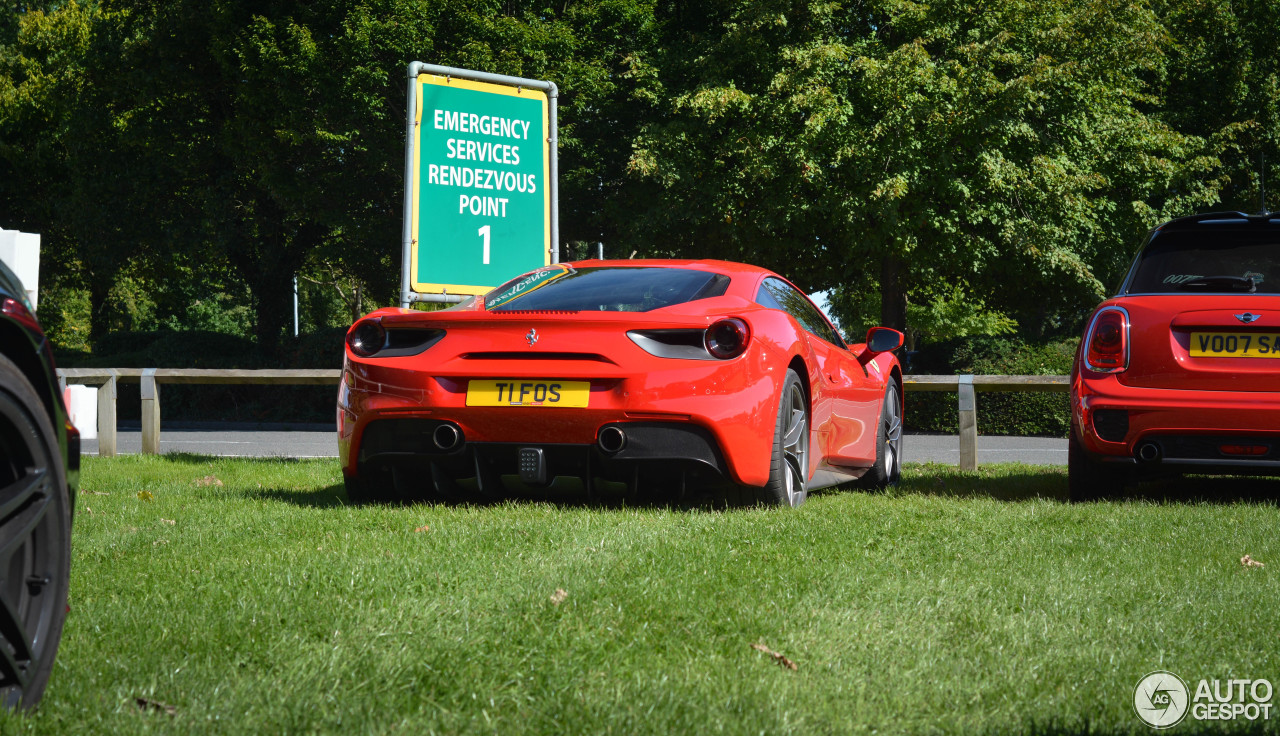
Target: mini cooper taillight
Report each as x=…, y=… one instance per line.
x=1107, y=341
x=727, y=338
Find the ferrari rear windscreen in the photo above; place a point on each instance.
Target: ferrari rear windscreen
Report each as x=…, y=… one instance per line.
x=606, y=289
x=1218, y=261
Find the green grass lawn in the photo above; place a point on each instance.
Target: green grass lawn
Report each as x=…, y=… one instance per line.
x=250, y=598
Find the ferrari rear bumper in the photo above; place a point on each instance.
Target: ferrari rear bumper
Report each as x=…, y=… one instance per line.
x=717, y=414
x=625, y=452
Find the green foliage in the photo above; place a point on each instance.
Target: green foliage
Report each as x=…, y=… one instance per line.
x=1223, y=84
x=944, y=312
x=1002, y=147
x=972, y=165
x=1015, y=413
x=64, y=314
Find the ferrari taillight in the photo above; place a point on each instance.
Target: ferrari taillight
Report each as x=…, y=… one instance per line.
x=367, y=338
x=1107, y=341
x=727, y=338
x=372, y=339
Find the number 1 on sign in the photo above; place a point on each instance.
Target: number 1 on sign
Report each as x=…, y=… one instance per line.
x=484, y=233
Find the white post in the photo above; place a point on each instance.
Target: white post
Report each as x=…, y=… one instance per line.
x=295, y=305
x=21, y=253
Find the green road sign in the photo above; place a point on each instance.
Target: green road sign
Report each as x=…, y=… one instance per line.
x=479, y=173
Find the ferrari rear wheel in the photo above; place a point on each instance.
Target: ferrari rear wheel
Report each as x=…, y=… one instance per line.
x=888, y=468
x=789, y=465
x=35, y=541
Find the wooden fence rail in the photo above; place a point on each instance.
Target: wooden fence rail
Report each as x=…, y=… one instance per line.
x=151, y=378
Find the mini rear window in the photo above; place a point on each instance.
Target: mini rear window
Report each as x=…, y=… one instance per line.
x=610, y=289
x=1214, y=261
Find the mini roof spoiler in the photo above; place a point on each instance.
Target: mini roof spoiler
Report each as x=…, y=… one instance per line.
x=1224, y=218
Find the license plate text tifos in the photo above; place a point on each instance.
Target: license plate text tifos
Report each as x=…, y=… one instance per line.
x=515, y=392
x=1234, y=345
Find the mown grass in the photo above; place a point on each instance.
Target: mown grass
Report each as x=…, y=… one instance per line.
x=249, y=597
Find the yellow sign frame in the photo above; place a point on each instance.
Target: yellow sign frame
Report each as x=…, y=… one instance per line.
x=414, y=163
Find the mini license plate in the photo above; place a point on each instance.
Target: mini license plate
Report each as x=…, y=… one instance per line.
x=517, y=392
x=1234, y=345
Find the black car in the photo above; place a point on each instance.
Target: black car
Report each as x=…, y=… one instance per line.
x=39, y=473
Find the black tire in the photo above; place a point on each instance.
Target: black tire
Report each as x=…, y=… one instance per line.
x=35, y=541
x=1088, y=479
x=789, y=462
x=888, y=468
x=385, y=486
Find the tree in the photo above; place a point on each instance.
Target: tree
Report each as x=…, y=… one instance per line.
x=285, y=121
x=1223, y=84
x=1000, y=150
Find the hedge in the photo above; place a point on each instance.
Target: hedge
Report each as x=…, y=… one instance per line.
x=1015, y=413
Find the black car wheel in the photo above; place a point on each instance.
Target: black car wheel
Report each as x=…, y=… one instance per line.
x=1088, y=479
x=888, y=467
x=789, y=465
x=35, y=541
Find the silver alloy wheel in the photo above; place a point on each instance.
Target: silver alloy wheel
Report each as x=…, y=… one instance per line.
x=795, y=446
x=892, y=436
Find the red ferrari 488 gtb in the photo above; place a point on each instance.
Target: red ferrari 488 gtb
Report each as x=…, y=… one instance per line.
x=1180, y=371
x=618, y=376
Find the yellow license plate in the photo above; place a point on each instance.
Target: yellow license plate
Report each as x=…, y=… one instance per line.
x=517, y=392
x=1234, y=345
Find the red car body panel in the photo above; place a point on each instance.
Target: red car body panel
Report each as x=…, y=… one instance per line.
x=1172, y=397
x=735, y=400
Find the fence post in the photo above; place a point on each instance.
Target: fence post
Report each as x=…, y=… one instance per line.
x=107, y=417
x=968, y=424
x=150, y=413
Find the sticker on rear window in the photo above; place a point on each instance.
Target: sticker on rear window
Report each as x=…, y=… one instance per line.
x=537, y=279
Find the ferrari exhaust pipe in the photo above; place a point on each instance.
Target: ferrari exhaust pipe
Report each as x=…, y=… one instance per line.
x=1149, y=452
x=611, y=440
x=446, y=437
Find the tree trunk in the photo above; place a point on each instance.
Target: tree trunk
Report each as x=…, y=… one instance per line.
x=99, y=318
x=893, y=293
x=273, y=299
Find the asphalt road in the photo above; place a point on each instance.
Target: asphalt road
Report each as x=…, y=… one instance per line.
x=319, y=441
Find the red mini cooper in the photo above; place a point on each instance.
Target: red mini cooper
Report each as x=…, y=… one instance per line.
x=1179, y=372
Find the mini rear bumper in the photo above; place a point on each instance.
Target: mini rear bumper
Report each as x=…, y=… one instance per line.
x=1187, y=431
